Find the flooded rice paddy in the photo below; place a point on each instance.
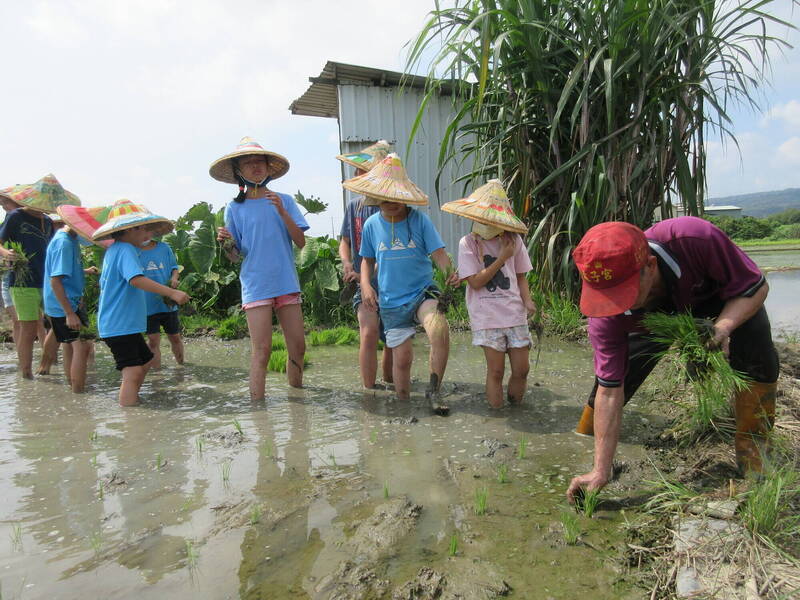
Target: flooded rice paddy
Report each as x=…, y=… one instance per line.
x=784, y=287
x=325, y=492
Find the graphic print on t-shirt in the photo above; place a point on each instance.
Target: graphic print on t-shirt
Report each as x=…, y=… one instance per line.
x=499, y=280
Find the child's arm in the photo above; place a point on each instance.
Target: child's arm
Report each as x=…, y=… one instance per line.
x=525, y=294
x=173, y=281
x=231, y=251
x=482, y=277
x=442, y=261
x=148, y=285
x=295, y=232
x=348, y=272
x=73, y=322
x=368, y=297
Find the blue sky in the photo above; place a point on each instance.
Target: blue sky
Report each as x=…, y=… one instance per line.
x=135, y=98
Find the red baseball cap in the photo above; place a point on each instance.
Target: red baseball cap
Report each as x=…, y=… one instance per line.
x=609, y=259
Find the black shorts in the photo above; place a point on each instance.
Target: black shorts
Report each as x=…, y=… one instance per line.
x=129, y=350
x=168, y=320
x=64, y=334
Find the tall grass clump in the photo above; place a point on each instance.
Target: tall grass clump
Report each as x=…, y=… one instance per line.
x=562, y=317
x=770, y=509
x=590, y=111
x=710, y=376
x=232, y=328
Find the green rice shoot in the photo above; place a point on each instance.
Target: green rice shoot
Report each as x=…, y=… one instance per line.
x=481, y=497
x=21, y=267
x=338, y=336
x=569, y=521
x=502, y=474
x=453, y=549
x=278, y=360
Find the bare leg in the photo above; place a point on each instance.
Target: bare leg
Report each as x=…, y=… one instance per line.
x=80, y=357
x=387, y=365
x=436, y=327
x=495, y=369
x=27, y=335
x=368, y=346
x=154, y=343
x=68, y=356
x=520, y=365
x=12, y=315
x=41, y=331
x=403, y=356
x=259, y=324
x=176, y=341
x=132, y=379
x=291, y=319
x=49, y=352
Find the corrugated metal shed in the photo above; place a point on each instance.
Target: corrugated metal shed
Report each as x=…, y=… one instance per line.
x=370, y=106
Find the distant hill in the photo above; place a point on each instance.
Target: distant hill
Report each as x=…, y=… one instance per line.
x=762, y=204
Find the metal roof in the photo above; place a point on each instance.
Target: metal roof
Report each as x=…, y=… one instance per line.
x=722, y=207
x=321, y=98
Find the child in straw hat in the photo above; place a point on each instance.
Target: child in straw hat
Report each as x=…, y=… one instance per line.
x=63, y=292
x=28, y=225
x=122, y=314
x=159, y=264
x=494, y=261
x=355, y=215
x=263, y=225
x=399, y=241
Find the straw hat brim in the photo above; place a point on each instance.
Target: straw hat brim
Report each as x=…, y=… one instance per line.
x=83, y=222
x=28, y=196
x=408, y=193
x=158, y=225
x=222, y=169
x=363, y=166
x=457, y=208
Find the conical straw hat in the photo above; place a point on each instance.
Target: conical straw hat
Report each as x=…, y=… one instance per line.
x=125, y=214
x=489, y=205
x=387, y=182
x=44, y=195
x=368, y=157
x=222, y=169
x=85, y=220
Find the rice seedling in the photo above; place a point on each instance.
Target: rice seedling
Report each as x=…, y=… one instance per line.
x=94, y=461
x=386, y=489
x=689, y=342
x=198, y=443
x=192, y=555
x=238, y=427
x=521, y=447
x=160, y=461
x=373, y=437
x=278, y=360
x=668, y=496
x=225, y=470
x=100, y=491
x=93, y=436
x=21, y=267
x=278, y=342
x=768, y=507
x=332, y=457
x=96, y=542
x=16, y=537
x=453, y=550
x=338, y=336
x=481, y=496
x=571, y=528
x=255, y=514
x=502, y=474
x=586, y=502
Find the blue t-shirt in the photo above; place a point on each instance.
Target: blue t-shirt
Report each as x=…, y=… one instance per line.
x=123, y=309
x=158, y=263
x=404, y=266
x=64, y=261
x=268, y=269
x=355, y=215
x=33, y=231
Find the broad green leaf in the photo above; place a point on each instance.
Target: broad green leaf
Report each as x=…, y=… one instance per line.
x=203, y=248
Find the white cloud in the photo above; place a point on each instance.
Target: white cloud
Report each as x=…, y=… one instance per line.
x=788, y=153
x=56, y=23
x=788, y=112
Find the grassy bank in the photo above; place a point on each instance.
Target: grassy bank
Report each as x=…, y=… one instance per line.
x=755, y=245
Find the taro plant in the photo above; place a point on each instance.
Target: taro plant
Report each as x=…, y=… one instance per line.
x=318, y=267
x=590, y=111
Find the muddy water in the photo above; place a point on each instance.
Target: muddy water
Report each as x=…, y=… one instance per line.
x=168, y=499
x=784, y=287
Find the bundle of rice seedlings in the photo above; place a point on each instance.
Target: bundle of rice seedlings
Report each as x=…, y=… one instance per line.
x=278, y=360
x=708, y=372
x=21, y=267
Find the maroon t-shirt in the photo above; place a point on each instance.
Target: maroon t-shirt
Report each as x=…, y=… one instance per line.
x=704, y=265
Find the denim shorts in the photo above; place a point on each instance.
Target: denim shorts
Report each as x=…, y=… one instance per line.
x=400, y=322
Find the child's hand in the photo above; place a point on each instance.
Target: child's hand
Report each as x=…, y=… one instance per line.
x=173, y=283
x=348, y=272
x=508, y=244
x=368, y=298
x=276, y=202
x=223, y=234
x=530, y=306
x=73, y=321
x=91, y=271
x=453, y=280
x=11, y=256
x=179, y=297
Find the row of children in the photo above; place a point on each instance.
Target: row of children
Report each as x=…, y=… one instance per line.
x=386, y=249
x=135, y=269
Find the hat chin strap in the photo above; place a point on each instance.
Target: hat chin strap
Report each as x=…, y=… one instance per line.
x=254, y=184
